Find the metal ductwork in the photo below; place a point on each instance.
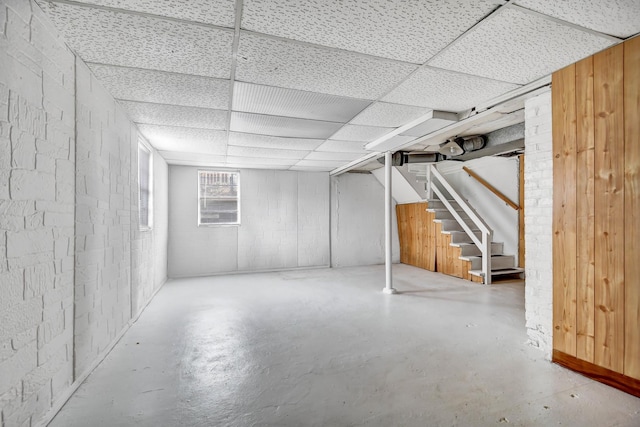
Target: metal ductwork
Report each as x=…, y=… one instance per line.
x=400, y=158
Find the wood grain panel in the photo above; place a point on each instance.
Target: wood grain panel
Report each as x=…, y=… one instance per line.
x=431, y=241
x=585, y=211
x=632, y=207
x=609, y=208
x=401, y=215
x=564, y=210
x=606, y=376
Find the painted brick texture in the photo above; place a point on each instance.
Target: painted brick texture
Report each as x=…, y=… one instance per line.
x=103, y=215
x=538, y=222
x=357, y=221
x=36, y=214
x=68, y=174
x=284, y=224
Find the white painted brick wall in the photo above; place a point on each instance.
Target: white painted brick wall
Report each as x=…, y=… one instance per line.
x=357, y=221
x=39, y=185
x=36, y=213
x=284, y=224
x=538, y=222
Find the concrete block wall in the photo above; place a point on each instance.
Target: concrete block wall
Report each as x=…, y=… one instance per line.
x=357, y=221
x=148, y=246
x=538, y=177
x=284, y=224
x=65, y=226
x=36, y=214
x=103, y=215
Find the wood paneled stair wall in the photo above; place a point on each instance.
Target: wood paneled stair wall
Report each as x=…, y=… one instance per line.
x=431, y=239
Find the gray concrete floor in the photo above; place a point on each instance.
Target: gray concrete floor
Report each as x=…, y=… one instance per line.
x=327, y=348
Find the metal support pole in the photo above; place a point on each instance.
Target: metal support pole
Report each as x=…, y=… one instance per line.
x=388, y=224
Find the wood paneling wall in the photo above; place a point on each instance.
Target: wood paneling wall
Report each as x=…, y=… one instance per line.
x=416, y=231
x=596, y=217
x=423, y=245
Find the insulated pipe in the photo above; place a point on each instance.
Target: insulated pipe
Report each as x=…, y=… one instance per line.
x=388, y=224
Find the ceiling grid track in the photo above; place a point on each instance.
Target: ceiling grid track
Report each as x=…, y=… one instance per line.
x=234, y=62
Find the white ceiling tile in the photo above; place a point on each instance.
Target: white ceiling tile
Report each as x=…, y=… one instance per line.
x=620, y=18
x=360, y=133
x=169, y=138
x=255, y=161
x=328, y=164
x=311, y=168
x=343, y=146
x=178, y=157
x=139, y=41
x=404, y=30
x=446, y=90
x=163, y=88
x=272, y=142
x=292, y=65
x=333, y=156
x=388, y=115
x=518, y=47
x=214, y=12
x=282, y=126
x=175, y=115
x=267, y=153
x=393, y=143
x=276, y=101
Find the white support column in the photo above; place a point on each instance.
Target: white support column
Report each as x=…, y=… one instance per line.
x=388, y=226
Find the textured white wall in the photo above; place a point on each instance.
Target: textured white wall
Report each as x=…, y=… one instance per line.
x=357, y=221
x=55, y=184
x=284, y=224
x=500, y=172
x=103, y=215
x=36, y=214
x=538, y=175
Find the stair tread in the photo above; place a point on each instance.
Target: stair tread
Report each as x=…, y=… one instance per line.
x=512, y=270
x=459, y=245
x=472, y=257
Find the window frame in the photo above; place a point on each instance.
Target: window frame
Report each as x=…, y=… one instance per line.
x=237, y=198
x=144, y=146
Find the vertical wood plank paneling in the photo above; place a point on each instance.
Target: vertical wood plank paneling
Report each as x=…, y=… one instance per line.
x=609, y=208
x=632, y=206
x=402, y=232
x=564, y=210
x=431, y=244
x=585, y=211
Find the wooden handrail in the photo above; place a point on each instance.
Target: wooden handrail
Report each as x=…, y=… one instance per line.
x=491, y=188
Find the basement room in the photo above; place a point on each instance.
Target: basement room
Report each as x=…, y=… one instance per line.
x=319, y=213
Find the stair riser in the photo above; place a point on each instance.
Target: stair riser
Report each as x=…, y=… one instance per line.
x=462, y=237
x=497, y=262
x=437, y=204
x=449, y=215
x=472, y=250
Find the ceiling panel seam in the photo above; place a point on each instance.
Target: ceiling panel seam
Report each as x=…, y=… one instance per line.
x=169, y=105
x=142, y=14
x=155, y=70
x=464, y=35
x=325, y=47
x=565, y=23
x=234, y=62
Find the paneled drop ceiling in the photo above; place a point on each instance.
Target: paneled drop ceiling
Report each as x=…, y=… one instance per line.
x=305, y=85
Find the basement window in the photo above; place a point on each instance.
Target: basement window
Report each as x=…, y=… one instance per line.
x=145, y=195
x=218, y=197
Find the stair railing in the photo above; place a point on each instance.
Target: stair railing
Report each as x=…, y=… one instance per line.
x=483, y=243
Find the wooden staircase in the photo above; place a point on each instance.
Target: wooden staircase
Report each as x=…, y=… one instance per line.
x=459, y=256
